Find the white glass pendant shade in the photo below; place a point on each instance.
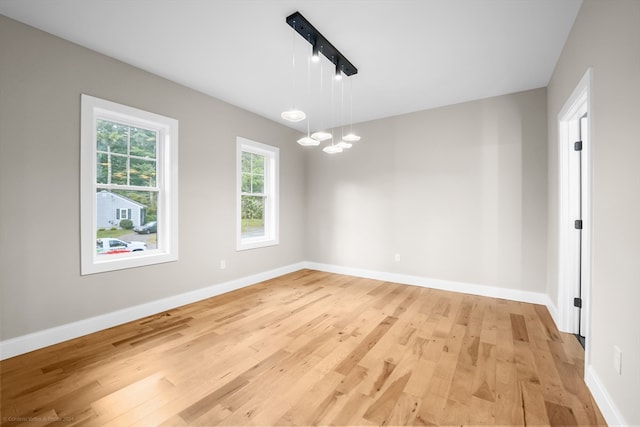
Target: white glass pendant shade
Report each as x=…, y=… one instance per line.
x=293, y=115
x=332, y=149
x=351, y=137
x=306, y=141
x=321, y=136
x=344, y=145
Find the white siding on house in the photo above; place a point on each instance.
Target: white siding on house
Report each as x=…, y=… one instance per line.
x=109, y=205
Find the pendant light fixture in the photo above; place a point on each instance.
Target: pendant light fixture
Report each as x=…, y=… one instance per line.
x=338, y=74
x=351, y=137
x=307, y=141
x=320, y=46
x=321, y=135
x=332, y=149
x=293, y=115
x=342, y=144
x=315, y=52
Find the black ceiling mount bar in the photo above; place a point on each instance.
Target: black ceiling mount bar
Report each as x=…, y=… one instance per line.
x=313, y=36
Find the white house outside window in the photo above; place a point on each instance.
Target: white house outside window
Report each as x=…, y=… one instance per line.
x=257, y=194
x=128, y=177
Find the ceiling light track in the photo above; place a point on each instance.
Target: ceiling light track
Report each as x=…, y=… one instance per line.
x=320, y=44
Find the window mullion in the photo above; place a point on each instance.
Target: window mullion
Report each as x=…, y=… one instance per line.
x=128, y=165
x=109, y=165
x=126, y=187
x=143, y=158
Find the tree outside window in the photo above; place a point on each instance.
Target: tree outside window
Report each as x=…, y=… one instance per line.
x=253, y=197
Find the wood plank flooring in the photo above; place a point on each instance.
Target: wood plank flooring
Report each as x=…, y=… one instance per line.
x=311, y=348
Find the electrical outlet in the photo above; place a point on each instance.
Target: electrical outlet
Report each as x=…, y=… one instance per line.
x=223, y=264
x=617, y=359
x=397, y=257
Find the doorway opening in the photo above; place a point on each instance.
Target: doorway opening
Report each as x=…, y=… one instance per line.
x=574, y=234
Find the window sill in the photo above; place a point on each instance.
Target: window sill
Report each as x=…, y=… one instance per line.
x=121, y=262
x=247, y=244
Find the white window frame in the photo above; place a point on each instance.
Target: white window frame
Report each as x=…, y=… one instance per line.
x=92, y=109
x=126, y=213
x=271, y=192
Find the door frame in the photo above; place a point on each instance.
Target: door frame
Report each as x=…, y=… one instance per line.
x=578, y=103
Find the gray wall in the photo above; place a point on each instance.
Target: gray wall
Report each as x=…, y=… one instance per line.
x=459, y=192
x=41, y=79
x=606, y=36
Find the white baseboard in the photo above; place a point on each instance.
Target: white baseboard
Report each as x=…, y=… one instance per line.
x=553, y=311
x=602, y=397
x=26, y=343
x=447, y=285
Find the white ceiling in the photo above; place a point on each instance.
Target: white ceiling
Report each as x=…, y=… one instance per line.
x=411, y=54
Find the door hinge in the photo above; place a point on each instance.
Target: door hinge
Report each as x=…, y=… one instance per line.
x=577, y=146
x=577, y=302
x=578, y=224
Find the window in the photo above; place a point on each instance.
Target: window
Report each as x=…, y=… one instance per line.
x=257, y=188
x=123, y=214
x=128, y=175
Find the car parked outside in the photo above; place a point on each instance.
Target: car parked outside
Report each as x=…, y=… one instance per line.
x=109, y=245
x=149, y=227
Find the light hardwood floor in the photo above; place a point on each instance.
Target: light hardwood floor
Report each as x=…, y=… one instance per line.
x=311, y=348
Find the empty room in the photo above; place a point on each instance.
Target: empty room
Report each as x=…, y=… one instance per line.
x=294, y=212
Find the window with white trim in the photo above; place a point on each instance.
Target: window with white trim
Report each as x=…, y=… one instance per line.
x=257, y=194
x=123, y=214
x=128, y=177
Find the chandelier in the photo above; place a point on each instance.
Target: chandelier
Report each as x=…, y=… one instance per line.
x=320, y=46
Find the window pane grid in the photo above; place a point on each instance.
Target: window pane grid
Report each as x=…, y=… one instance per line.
x=126, y=154
x=252, y=196
x=253, y=173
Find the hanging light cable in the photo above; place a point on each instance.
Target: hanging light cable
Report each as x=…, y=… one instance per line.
x=351, y=137
x=342, y=144
x=307, y=140
x=293, y=115
x=321, y=135
x=333, y=148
